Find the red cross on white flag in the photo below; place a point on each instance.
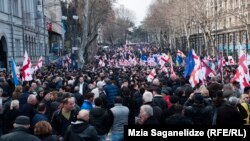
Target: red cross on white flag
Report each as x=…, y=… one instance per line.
x=27, y=71
x=39, y=63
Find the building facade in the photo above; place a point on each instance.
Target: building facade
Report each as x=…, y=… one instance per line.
x=24, y=26
x=56, y=29
x=230, y=25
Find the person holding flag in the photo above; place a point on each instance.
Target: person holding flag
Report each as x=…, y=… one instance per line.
x=179, y=58
x=39, y=63
x=26, y=70
x=15, y=72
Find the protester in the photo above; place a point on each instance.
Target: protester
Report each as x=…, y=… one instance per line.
x=169, y=98
x=81, y=129
x=21, y=131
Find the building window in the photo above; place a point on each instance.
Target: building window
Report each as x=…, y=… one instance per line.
x=225, y=1
x=236, y=19
x=230, y=22
x=230, y=38
x=246, y=3
x=2, y=5
x=30, y=47
x=15, y=7
x=25, y=44
x=236, y=4
x=41, y=49
x=224, y=24
x=17, y=47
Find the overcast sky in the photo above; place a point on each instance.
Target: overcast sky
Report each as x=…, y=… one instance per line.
x=139, y=7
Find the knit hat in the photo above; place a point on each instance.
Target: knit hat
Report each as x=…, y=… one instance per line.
x=22, y=120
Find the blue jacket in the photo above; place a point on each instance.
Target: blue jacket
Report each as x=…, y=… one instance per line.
x=111, y=92
x=86, y=105
x=38, y=117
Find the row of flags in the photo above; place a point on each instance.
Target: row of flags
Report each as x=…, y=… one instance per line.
x=26, y=71
x=199, y=70
x=242, y=72
x=132, y=60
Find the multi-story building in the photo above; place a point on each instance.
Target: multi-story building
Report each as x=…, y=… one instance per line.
x=231, y=20
x=231, y=27
x=24, y=26
x=56, y=28
x=21, y=25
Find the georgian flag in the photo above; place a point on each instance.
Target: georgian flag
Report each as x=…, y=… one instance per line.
x=151, y=75
x=194, y=77
x=164, y=58
x=39, y=63
x=242, y=73
x=27, y=70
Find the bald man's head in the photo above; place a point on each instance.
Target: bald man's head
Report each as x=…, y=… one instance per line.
x=83, y=115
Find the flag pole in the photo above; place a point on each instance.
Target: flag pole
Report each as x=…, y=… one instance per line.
x=222, y=74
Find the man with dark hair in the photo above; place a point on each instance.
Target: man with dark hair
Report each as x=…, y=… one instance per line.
x=21, y=131
x=83, y=86
x=178, y=118
x=87, y=103
x=24, y=96
x=40, y=116
x=62, y=118
x=98, y=117
x=247, y=90
x=158, y=99
x=111, y=91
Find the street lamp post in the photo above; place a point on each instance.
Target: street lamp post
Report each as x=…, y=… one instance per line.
x=75, y=31
x=63, y=36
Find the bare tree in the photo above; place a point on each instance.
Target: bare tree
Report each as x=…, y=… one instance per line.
x=117, y=27
x=240, y=12
x=169, y=20
x=176, y=18
x=92, y=13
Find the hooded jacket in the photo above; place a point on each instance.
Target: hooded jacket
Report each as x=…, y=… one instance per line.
x=81, y=131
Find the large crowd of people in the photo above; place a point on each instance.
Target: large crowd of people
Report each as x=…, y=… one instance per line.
x=94, y=102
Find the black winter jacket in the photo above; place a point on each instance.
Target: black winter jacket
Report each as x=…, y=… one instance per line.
x=19, y=134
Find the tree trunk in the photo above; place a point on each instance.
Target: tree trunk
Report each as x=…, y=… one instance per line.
x=83, y=46
x=248, y=31
x=206, y=43
x=187, y=36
